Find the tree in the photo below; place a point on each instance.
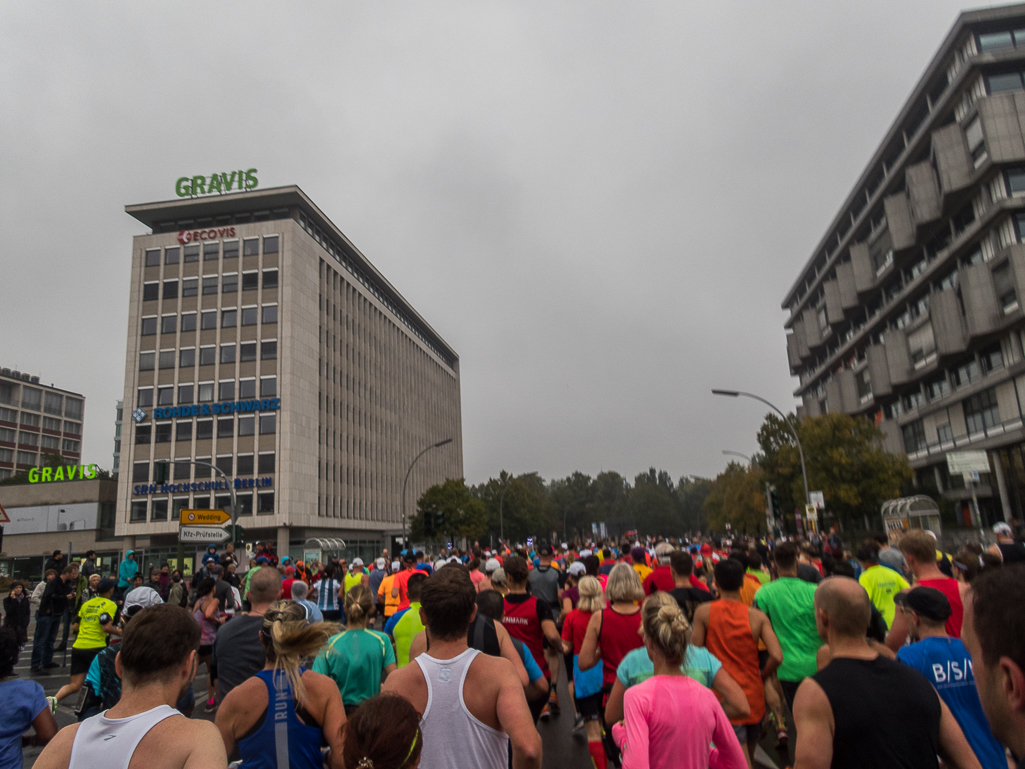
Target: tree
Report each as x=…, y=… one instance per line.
x=652, y=504
x=845, y=460
x=737, y=497
x=448, y=511
x=573, y=501
x=691, y=493
x=610, y=502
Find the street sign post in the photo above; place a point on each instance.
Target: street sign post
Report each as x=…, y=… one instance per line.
x=967, y=461
x=209, y=534
x=818, y=500
x=201, y=517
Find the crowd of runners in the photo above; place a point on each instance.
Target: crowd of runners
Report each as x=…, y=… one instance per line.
x=678, y=653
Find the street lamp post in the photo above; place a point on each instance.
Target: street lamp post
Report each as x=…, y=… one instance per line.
x=800, y=450
x=501, y=502
x=234, y=504
x=738, y=454
x=437, y=445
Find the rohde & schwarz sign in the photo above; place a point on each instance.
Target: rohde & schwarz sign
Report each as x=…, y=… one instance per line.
x=224, y=407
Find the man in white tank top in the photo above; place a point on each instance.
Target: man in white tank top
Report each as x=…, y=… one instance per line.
x=472, y=706
x=156, y=662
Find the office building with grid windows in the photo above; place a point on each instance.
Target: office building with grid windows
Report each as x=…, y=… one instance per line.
x=911, y=309
x=36, y=420
x=261, y=341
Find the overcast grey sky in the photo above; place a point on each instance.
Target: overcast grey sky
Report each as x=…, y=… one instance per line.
x=599, y=205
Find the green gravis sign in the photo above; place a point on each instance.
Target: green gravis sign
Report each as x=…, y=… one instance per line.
x=63, y=473
x=188, y=186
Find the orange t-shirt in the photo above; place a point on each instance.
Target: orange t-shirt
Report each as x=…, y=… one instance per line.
x=730, y=639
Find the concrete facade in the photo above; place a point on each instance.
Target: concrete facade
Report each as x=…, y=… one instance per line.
x=931, y=242
x=335, y=382
x=36, y=420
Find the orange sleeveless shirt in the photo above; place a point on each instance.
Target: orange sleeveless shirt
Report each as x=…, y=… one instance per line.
x=730, y=639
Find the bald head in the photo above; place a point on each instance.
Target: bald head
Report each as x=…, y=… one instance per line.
x=264, y=586
x=846, y=605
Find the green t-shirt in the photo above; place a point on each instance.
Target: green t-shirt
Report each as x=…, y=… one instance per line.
x=355, y=660
x=405, y=631
x=698, y=663
x=882, y=584
x=790, y=604
x=90, y=627
x=352, y=579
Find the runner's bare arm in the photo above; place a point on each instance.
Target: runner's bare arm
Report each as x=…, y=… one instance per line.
x=590, y=654
x=898, y=633
x=418, y=645
x=614, y=707
x=772, y=645
x=700, y=625
x=508, y=651
x=551, y=634
x=813, y=719
x=334, y=717
x=57, y=754
x=514, y=716
x=734, y=701
x=225, y=721
x=954, y=748
x=208, y=750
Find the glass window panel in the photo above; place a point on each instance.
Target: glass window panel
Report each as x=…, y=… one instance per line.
x=211, y=251
x=206, y=392
x=209, y=320
x=227, y=353
x=229, y=283
x=268, y=387
x=171, y=255
x=250, y=315
x=186, y=394
x=269, y=350
x=270, y=313
x=270, y=278
x=191, y=253
x=265, y=503
x=163, y=432
x=145, y=396
x=190, y=286
x=268, y=424
x=187, y=358
x=226, y=390
x=153, y=257
x=149, y=326
x=270, y=244
x=244, y=464
x=229, y=318
x=168, y=324
x=250, y=281
x=226, y=465
x=170, y=289
x=207, y=356
x=189, y=321
x=251, y=247
x=204, y=431
x=142, y=434
x=1010, y=81
x=147, y=360
x=266, y=464
x=247, y=388
x=165, y=396
x=248, y=352
x=995, y=41
x=226, y=427
x=231, y=249
x=210, y=284
x=246, y=425
x=150, y=292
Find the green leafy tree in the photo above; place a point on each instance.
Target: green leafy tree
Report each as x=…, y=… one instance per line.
x=737, y=497
x=448, y=511
x=691, y=493
x=611, y=492
x=652, y=504
x=573, y=501
x=845, y=460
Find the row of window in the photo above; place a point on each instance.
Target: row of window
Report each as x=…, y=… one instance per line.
x=242, y=465
x=249, y=316
x=34, y=420
x=224, y=391
x=161, y=432
x=207, y=355
x=211, y=250
x=159, y=507
x=980, y=413
x=989, y=359
x=228, y=284
x=27, y=458
x=47, y=442
x=32, y=398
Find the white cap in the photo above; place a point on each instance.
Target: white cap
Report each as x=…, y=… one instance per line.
x=565, y=546
x=492, y=564
x=439, y=563
x=1003, y=528
x=357, y=561
x=453, y=559
x=584, y=553
x=380, y=563
x=577, y=568
x=395, y=565
x=142, y=596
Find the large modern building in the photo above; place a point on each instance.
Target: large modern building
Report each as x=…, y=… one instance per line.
x=261, y=341
x=911, y=309
x=36, y=420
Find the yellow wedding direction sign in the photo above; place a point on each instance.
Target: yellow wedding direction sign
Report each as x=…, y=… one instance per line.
x=203, y=517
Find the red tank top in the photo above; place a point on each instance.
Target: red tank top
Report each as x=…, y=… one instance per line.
x=948, y=587
x=618, y=636
x=522, y=622
x=729, y=638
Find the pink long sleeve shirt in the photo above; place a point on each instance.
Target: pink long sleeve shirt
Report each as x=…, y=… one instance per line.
x=671, y=722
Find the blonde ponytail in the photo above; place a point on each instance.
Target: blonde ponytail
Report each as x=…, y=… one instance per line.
x=288, y=640
x=664, y=624
x=357, y=605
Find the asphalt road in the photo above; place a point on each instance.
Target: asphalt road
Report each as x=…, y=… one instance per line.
x=563, y=748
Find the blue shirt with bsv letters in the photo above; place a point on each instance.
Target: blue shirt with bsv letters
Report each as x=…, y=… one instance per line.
x=946, y=664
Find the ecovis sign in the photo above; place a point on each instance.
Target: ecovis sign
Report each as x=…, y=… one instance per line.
x=190, y=186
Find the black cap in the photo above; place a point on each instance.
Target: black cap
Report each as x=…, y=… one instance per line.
x=926, y=602
x=105, y=585
x=545, y=550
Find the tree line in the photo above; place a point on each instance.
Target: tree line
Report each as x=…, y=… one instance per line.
x=844, y=456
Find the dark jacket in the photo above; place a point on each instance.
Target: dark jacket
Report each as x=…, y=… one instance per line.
x=55, y=597
x=17, y=613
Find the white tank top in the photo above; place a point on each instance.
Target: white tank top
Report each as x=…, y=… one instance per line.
x=453, y=737
x=111, y=742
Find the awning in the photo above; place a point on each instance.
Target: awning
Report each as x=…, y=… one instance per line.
x=325, y=543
